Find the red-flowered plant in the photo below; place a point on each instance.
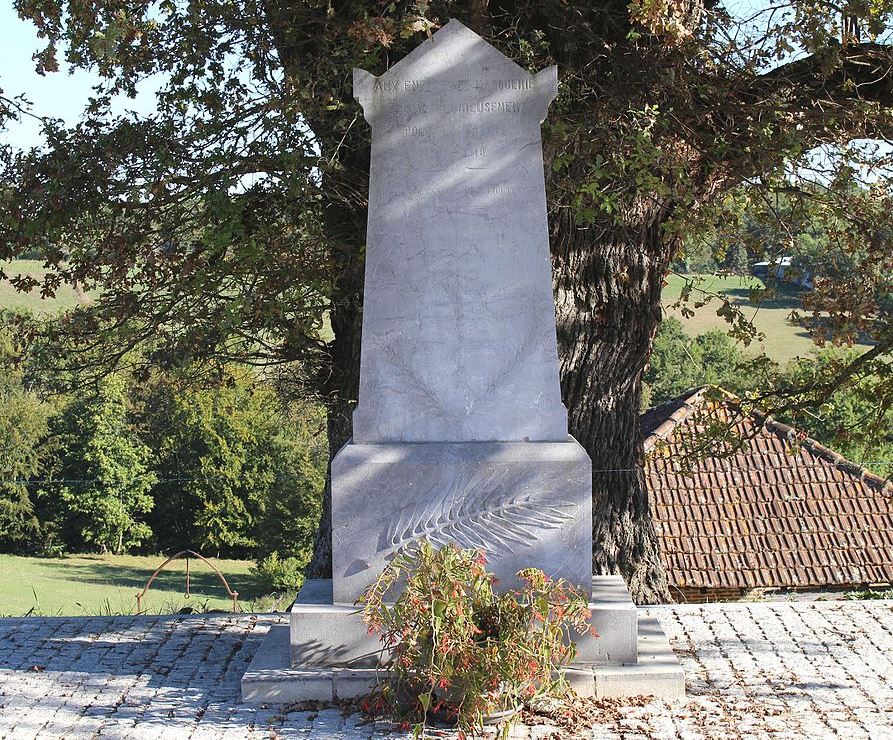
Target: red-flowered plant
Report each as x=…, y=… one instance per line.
x=460, y=651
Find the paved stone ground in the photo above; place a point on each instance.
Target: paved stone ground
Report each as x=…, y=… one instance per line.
x=791, y=670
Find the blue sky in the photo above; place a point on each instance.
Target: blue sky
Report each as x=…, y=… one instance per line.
x=64, y=95
x=60, y=95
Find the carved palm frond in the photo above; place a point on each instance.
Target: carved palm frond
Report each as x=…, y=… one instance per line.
x=490, y=510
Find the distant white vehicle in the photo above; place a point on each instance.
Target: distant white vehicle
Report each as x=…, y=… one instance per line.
x=778, y=269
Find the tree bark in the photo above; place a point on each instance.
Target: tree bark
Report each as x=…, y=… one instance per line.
x=345, y=227
x=607, y=281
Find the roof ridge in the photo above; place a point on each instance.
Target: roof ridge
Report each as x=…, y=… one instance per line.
x=695, y=398
x=665, y=428
x=790, y=433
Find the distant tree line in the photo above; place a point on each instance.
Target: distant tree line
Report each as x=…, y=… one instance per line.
x=158, y=463
x=817, y=237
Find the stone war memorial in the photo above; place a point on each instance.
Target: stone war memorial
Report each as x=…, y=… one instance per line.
x=460, y=434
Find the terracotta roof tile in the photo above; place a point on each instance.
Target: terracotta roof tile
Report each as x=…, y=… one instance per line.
x=768, y=515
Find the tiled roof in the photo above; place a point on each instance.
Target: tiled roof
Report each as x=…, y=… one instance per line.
x=774, y=510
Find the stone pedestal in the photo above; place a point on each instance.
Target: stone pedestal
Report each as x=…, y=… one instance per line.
x=523, y=503
x=326, y=652
x=324, y=634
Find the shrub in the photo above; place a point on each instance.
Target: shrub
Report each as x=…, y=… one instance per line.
x=240, y=474
x=289, y=509
x=851, y=421
x=679, y=362
x=279, y=574
x=460, y=650
x=25, y=454
x=23, y=430
x=105, y=471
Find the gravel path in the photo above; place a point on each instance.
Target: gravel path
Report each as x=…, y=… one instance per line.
x=785, y=670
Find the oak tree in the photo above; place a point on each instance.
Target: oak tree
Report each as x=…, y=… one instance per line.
x=229, y=224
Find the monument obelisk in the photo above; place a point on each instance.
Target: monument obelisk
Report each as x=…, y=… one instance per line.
x=459, y=434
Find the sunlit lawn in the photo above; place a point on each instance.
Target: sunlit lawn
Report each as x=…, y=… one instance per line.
x=64, y=299
x=108, y=584
x=783, y=340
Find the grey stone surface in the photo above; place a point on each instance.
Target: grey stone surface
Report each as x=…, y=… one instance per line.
x=581, y=680
x=459, y=434
x=458, y=338
x=788, y=670
x=647, y=667
x=525, y=503
x=269, y=677
x=323, y=634
x=615, y=618
x=329, y=634
x=657, y=672
x=349, y=683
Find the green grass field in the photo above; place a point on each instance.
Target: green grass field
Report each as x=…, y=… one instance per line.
x=782, y=341
x=79, y=585
x=65, y=297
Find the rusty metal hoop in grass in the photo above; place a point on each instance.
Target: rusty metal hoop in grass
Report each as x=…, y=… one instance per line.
x=234, y=595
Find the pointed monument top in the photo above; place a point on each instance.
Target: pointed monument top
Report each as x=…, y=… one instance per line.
x=458, y=37
x=458, y=314
x=455, y=59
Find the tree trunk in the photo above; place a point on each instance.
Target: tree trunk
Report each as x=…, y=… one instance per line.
x=345, y=225
x=607, y=281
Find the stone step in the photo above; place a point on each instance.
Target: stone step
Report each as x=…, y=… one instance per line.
x=271, y=679
x=615, y=618
x=657, y=672
x=326, y=634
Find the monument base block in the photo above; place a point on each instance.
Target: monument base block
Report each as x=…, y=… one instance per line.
x=522, y=503
x=326, y=653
